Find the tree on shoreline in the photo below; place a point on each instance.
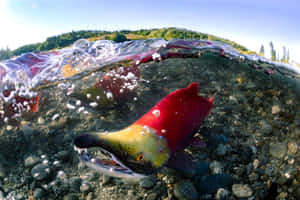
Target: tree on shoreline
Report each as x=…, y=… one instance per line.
x=5, y=53
x=273, y=52
x=262, y=50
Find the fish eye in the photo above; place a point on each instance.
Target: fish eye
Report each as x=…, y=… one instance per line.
x=140, y=157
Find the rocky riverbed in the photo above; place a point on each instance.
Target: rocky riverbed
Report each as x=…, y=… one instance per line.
x=252, y=137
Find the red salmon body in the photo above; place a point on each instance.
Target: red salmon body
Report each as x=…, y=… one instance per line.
x=177, y=115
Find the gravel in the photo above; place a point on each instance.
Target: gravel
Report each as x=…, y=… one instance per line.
x=252, y=140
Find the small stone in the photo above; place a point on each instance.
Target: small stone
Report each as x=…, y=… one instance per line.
x=74, y=184
x=40, y=120
x=169, y=179
x=221, y=150
x=255, y=163
x=292, y=148
x=31, y=160
x=275, y=109
x=9, y=127
x=40, y=171
x=282, y=195
x=269, y=171
x=245, y=153
x=210, y=184
x=85, y=188
x=130, y=193
x=59, y=187
x=278, y=150
x=297, y=191
x=38, y=193
x=2, y=195
x=152, y=196
x=216, y=167
x=71, y=197
x=222, y=194
x=202, y=168
x=92, y=176
x=105, y=179
x=63, y=155
x=266, y=128
x=27, y=130
x=58, y=123
x=241, y=191
x=253, y=177
x=250, y=85
x=90, y=196
x=19, y=197
x=282, y=180
x=186, y=191
x=2, y=171
x=148, y=182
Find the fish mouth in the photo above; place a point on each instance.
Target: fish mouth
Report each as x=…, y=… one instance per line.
x=99, y=155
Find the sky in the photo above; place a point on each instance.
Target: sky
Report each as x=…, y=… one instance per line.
x=249, y=23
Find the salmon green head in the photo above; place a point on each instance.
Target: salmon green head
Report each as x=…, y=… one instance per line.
x=137, y=148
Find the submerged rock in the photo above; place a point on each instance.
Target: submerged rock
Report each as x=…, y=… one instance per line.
x=2, y=171
x=222, y=194
x=38, y=193
x=148, y=182
x=221, y=150
x=63, y=155
x=241, y=191
x=275, y=109
x=186, y=191
x=210, y=184
x=27, y=130
x=40, y=171
x=278, y=150
x=74, y=184
x=266, y=128
x=31, y=160
x=202, y=168
x=292, y=148
x=216, y=167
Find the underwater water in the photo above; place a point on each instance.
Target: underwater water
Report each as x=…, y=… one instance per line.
x=251, y=136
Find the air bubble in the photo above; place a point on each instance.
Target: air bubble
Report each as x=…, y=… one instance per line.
x=78, y=103
x=70, y=106
x=45, y=161
x=93, y=104
x=55, y=116
x=109, y=95
x=80, y=109
x=156, y=56
x=156, y=113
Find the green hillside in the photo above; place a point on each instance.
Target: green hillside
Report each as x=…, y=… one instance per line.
x=67, y=39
